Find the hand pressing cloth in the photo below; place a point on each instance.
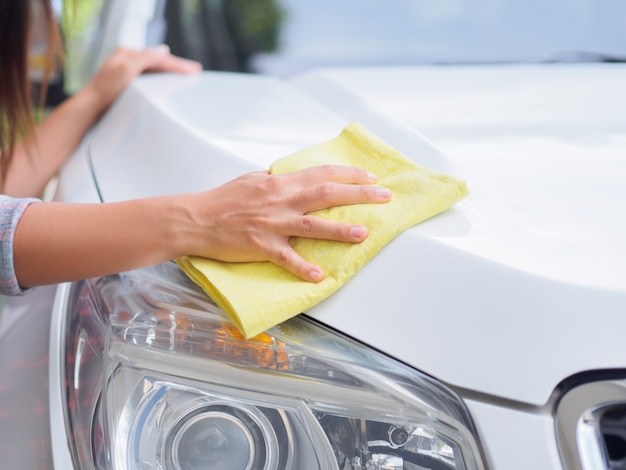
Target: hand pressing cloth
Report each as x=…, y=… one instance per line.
x=259, y=295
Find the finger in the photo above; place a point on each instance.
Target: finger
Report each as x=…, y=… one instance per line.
x=290, y=260
x=327, y=195
x=333, y=174
x=316, y=227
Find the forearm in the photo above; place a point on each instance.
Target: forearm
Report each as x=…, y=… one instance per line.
x=62, y=242
x=41, y=155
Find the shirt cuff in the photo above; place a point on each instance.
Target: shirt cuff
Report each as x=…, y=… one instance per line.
x=11, y=211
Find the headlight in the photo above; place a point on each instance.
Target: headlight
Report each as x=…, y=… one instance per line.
x=157, y=378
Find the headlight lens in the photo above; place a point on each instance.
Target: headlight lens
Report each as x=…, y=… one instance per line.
x=157, y=378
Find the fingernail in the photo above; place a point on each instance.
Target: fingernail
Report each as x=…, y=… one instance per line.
x=383, y=193
x=357, y=232
x=316, y=275
x=372, y=176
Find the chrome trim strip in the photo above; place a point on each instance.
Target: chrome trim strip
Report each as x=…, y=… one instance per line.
x=577, y=423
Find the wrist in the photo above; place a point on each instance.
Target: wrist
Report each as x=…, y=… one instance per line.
x=180, y=223
x=90, y=102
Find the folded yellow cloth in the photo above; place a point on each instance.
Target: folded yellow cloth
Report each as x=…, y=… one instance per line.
x=259, y=295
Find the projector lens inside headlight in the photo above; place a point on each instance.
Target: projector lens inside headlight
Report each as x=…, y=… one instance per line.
x=211, y=438
x=216, y=436
x=181, y=389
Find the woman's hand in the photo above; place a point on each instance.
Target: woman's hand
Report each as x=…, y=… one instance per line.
x=125, y=64
x=252, y=217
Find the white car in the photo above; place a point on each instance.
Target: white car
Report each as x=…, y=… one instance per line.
x=488, y=337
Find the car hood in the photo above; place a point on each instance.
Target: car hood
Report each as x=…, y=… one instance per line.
x=514, y=289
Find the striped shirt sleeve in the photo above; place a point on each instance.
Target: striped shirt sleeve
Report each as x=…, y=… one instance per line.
x=10, y=212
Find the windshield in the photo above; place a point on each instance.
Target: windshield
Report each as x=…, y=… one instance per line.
x=370, y=32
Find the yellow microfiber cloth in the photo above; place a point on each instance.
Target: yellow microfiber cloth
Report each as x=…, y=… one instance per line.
x=259, y=295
